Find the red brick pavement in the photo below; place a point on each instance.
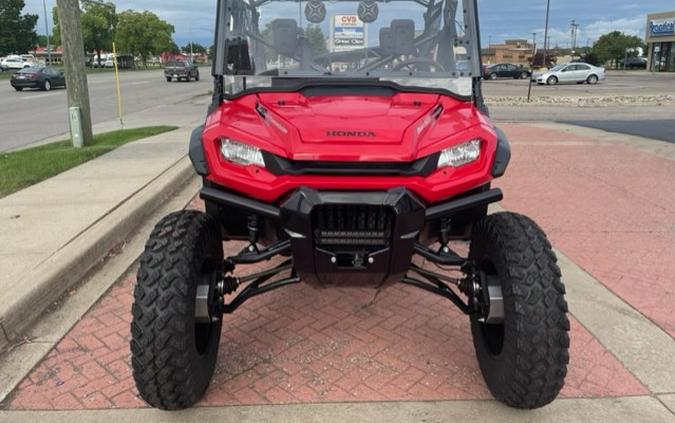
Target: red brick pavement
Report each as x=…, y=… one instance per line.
x=610, y=208
x=301, y=344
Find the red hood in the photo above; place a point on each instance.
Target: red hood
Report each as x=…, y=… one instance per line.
x=401, y=127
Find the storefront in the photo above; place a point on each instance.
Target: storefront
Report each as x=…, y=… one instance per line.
x=661, y=41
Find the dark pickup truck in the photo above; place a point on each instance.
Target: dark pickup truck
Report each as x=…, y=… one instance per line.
x=181, y=70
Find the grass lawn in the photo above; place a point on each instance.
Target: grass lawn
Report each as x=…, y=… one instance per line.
x=24, y=168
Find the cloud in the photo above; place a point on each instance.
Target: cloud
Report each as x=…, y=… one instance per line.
x=194, y=19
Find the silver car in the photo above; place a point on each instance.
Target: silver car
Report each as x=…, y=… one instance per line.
x=571, y=72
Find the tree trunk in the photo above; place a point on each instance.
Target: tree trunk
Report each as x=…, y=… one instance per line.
x=74, y=63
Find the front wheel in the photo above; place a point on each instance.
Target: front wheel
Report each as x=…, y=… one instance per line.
x=47, y=85
x=524, y=358
x=174, y=343
x=493, y=76
x=524, y=75
x=552, y=80
x=168, y=79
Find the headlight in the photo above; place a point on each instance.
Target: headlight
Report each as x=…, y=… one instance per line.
x=460, y=155
x=240, y=153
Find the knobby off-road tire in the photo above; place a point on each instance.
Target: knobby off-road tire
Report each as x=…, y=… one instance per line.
x=524, y=360
x=173, y=358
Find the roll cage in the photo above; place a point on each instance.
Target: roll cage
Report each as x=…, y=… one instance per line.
x=431, y=53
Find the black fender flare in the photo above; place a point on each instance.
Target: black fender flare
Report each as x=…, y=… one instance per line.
x=503, y=154
x=196, y=152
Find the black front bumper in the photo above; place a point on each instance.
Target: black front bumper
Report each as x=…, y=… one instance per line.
x=370, y=235
x=364, y=238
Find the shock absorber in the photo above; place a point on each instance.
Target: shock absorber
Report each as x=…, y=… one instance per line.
x=444, y=238
x=253, y=232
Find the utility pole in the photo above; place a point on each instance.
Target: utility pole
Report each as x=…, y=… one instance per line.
x=574, y=28
x=76, y=73
x=548, y=10
x=49, y=47
x=534, y=47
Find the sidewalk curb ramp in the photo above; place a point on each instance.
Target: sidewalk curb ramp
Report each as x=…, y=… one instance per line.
x=73, y=261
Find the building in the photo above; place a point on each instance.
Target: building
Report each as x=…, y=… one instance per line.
x=42, y=55
x=661, y=40
x=518, y=52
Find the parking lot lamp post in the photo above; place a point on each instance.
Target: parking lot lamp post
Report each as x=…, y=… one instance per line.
x=548, y=9
x=49, y=47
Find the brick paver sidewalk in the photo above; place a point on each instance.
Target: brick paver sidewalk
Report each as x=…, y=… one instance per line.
x=609, y=207
x=300, y=344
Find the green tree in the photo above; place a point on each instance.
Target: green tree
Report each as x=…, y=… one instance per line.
x=317, y=39
x=196, y=48
x=613, y=46
x=143, y=34
x=98, y=26
x=56, y=30
x=17, y=31
x=173, y=48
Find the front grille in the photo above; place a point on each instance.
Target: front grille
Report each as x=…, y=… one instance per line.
x=352, y=226
x=283, y=166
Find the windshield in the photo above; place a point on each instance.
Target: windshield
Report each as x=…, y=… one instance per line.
x=31, y=70
x=558, y=68
x=427, y=43
x=176, y=64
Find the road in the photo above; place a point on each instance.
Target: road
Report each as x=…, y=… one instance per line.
x=31, y=116
x=616, y=83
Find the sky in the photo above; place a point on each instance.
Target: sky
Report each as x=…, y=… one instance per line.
x=500, y=19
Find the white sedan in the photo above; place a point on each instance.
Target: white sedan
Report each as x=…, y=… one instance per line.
x=571, y=72
x=12, y=63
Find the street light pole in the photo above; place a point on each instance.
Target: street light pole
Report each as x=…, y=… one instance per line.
x=534, y=47
x=76, y=73
x=548, y=9
x=49, y=47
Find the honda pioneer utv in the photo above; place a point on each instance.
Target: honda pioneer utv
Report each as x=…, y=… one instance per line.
x=345, y=138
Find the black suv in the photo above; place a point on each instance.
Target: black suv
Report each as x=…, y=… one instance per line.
x=181, y=70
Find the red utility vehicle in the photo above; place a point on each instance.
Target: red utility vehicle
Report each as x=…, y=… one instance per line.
x=346, y=137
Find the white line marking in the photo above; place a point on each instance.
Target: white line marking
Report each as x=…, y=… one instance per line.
x=40, y=96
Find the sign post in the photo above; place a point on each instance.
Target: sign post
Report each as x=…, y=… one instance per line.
x=349, y=33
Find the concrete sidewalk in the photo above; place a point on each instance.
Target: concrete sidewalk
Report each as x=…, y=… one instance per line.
x=54, y=232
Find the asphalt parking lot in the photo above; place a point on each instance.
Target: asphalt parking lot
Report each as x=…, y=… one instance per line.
x=616, y=83
x=31, y=116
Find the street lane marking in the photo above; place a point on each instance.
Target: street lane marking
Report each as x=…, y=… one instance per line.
x=40, y=96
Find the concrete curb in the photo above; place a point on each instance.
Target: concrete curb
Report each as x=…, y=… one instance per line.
x=69, y=265
x=642, y=409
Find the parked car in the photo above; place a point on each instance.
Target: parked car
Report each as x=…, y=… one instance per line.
x=107, y=61
x=634, y=63
x=44, y=78
x=506, y=70
x=181, y=70
x=14, y=63
x=571, y=72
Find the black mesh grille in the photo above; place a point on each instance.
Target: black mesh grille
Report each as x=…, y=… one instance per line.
x=352, y=225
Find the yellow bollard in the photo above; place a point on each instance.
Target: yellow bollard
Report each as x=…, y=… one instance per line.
x=119, y=89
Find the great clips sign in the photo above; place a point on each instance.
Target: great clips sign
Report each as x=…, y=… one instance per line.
x=661, y=28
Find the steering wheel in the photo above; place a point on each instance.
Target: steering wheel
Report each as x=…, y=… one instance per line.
x=410, y=64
